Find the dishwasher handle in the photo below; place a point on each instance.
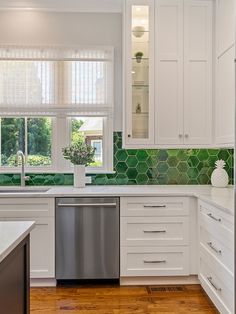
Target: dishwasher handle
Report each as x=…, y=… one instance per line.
x=87, y=204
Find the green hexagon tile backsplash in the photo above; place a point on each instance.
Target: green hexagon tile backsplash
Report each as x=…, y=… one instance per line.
x=150, y=166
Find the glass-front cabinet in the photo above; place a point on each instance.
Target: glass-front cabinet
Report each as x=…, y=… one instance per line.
x=139, y=72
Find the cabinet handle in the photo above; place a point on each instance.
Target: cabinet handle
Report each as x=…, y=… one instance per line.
x=87, y=205
x=180, y=135
x=213, y=217
x=213, y=284
x=154, y=262
x=214, y=248
x=154, y=231
x=154, y=206
x=129, y=135
x=186, y=135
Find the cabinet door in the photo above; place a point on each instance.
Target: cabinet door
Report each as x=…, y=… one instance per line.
x=225, y=73
x=169, y=72
x=198, y=72
x=139, y=72
x=42, y=247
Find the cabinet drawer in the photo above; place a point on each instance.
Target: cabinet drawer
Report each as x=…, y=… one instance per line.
x=217, y=249
x=26, y=207
x=218, y=290
x=154, y=261
x=151, y=231
x=216, y=222
x=154, y=206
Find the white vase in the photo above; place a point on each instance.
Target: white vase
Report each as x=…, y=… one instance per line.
x=219, y=177
x=79, y=176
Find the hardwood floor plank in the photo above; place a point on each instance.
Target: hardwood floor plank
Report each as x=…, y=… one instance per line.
x=119, y=300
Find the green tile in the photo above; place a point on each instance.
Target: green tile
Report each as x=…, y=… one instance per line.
x=142, y=155
x=162, y=155
x=132, y=161
x=172, y=161
x=203, y=154
x=142, y=178
x=121, y=155
x=132, y=173
x=142, y=167
x=162, y=167
x=182, y=166
x=121, y=167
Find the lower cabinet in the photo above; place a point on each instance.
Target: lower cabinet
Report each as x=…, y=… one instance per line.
x=42, y=237
x=216, y=256
x=154, y=236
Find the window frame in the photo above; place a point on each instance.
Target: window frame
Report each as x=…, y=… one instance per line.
x=61, y=125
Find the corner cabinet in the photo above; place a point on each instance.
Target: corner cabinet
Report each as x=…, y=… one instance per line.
x=168, y=73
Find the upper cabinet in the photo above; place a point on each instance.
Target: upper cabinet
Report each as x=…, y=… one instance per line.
x=225, y=73
x=169, y=74
x=139, y=72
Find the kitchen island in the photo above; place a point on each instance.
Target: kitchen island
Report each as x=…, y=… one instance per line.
x=14, y=266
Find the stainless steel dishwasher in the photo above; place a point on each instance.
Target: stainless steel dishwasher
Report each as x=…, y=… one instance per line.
x=87, y=238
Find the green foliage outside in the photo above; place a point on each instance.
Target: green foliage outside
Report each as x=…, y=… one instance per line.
x=13, y=138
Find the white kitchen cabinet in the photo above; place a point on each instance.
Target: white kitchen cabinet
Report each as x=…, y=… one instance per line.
x=42, y=237
x=139, y=72
x=182, y=95
x=216, y=251
x=225, y=72
x=154, y=236
x=169, y=126
x=198, y=109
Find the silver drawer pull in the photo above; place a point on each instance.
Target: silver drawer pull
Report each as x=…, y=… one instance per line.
x=213, y=217
x=154, y=206
x=87, y=205
x=213, y=284
x=154, y=231
x=214, y=248
x=154, y=262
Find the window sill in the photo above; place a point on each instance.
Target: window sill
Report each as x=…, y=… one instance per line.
x=48, y=171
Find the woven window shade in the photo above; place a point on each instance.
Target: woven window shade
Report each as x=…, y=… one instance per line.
x=54, y=81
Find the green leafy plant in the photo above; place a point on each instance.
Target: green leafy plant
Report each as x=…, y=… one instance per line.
x=79, y=153
x=139, y=54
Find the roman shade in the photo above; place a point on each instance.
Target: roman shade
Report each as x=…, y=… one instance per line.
x=56, y=81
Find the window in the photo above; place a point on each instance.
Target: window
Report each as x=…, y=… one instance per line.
x=90, y=131
x=51, y=97
x=33, y=136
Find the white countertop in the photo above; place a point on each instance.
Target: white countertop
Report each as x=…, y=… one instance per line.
x=11, y=234
x=221, y=197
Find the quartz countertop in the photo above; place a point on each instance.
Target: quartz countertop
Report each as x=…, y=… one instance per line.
x=11, y=234
x=221, y=197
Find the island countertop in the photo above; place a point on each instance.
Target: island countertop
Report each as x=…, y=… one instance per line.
x=11, y=234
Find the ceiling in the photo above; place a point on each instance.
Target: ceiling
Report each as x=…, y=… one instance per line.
x=65, y=5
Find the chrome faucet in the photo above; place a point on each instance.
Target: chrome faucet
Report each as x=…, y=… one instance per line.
x=23, y=177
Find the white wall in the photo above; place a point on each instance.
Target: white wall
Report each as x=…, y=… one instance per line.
x=38, y=27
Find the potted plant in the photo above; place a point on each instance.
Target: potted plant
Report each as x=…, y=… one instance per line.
x=80, y=155
x=139, y=56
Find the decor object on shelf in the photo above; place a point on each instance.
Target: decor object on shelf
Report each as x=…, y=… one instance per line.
x=138, y=31
x=80, y=155
x=219, y=177
x=139, y=56
x=138, y=108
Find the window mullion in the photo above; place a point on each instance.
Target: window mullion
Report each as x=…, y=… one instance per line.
x=26, y=141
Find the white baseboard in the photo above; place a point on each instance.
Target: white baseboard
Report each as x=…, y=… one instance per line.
x=178, y=280
x=44, y=282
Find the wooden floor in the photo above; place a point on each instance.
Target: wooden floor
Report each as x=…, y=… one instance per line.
x=119, y=300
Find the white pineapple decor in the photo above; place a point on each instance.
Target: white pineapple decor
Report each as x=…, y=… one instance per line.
x=219, y=177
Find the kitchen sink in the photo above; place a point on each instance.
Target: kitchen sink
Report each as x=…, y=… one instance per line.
x=23, y=190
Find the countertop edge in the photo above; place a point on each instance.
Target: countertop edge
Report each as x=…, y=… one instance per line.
x=18, y=240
